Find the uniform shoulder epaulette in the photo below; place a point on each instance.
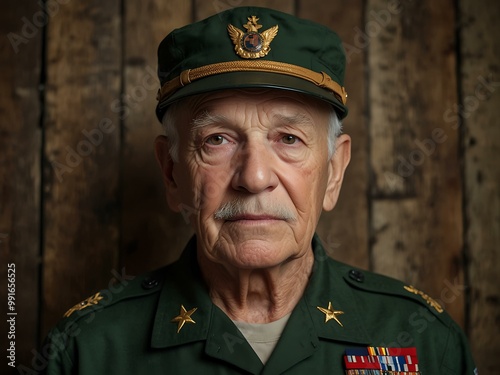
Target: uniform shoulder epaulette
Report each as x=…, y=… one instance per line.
x=376, y=283
x=124, y=287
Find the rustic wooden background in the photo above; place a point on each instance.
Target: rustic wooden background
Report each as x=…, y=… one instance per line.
x=81, y=199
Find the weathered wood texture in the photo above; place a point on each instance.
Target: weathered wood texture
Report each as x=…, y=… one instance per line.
x=480, y=111
x=20, y=142
x=416, y=194
x=82, y=155
x=151, y=234
x=204, y=9
x=421, y=196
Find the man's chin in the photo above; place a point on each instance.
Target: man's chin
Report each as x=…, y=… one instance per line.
x=258, y=254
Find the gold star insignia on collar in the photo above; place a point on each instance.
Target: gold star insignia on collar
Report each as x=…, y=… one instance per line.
x=184, y=317
x=330, y=313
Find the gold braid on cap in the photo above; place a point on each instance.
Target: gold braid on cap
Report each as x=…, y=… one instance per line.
x=187, y=76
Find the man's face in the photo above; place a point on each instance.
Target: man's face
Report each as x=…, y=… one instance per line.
x=253, y=174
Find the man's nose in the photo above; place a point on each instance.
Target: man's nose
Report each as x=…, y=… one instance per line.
x=255, y=169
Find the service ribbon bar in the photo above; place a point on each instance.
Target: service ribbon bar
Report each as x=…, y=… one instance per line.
x=381, y=361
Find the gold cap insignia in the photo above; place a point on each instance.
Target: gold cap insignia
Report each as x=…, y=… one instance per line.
x=252, y=44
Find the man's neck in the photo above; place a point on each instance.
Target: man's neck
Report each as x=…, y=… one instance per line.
x=257, y=296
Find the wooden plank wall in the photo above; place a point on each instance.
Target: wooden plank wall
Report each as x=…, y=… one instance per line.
x=82, y=202
x=416, y=186
x=82, y=152
x=20, y=174
x=479, y=114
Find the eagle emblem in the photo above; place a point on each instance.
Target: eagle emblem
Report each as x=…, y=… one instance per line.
x=252, y=44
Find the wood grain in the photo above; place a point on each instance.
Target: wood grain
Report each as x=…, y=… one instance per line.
x=203, y=9
x=82, y=154
x=479, y=111
x=151, y=234
x=20, y=144
x=416, y=190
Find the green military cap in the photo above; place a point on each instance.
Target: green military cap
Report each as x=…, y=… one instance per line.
x=249, y=47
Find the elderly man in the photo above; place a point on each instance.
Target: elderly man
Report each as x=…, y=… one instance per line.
x=251, y=101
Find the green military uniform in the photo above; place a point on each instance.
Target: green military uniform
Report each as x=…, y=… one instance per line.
x=142, y=328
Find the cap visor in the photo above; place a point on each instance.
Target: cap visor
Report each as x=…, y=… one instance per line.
x=237, y=80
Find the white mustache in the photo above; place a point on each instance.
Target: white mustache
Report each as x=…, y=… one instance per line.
x=236, y=208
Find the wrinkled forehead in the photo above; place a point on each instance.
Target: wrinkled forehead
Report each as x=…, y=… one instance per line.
x=274, y=102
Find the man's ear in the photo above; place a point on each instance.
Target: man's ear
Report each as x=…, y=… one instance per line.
x=164, y=158
x=336, y=169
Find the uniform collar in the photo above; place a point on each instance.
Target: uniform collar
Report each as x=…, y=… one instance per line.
x=183, y=285
x=327, y=285
x=306, y=326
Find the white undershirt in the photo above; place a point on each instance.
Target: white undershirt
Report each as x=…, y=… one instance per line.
x=263, y=337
